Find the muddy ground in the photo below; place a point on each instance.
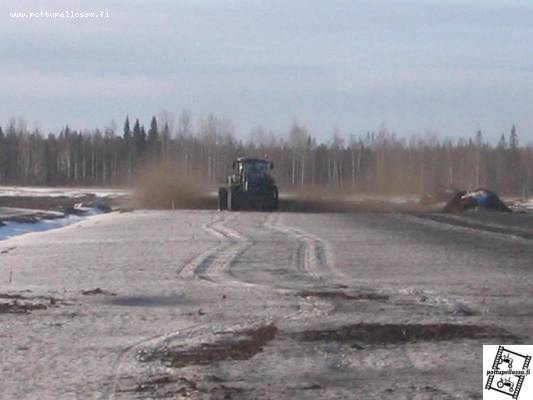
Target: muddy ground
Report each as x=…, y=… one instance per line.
x=204, y=304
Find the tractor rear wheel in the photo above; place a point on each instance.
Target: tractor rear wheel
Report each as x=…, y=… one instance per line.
x=222, y=199
x=275, y=205
x=274, y=200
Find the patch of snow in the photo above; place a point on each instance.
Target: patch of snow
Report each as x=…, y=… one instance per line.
x=29, y=191
x=11, y=228
x=520, y=203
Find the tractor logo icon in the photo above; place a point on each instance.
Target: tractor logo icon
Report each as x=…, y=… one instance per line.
x=506, y=358
x=506, y=383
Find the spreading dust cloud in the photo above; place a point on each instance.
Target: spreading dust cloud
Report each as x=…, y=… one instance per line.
x=162, y=188
x=320, y=199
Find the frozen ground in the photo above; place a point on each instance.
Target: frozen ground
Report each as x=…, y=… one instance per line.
x=210, y=305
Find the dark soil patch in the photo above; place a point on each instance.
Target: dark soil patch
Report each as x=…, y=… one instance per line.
x=344, y=296
x=24, y=304
x=164, y=386
x=150, y=301
x=168, y=386
x=18, y=308
x=96, y=291
x=382, y=334
x=239, y=345
x=13, y=296
x=5, y=251
x=181, y=386
x=312, y=387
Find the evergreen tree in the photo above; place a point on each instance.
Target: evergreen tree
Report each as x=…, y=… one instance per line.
x=513, y=139
x=136, y=129
x=153, y=134
x=139, y=137
x=153, y=141
x=127, y=130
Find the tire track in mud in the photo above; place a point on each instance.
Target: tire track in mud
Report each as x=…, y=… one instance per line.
x=192, y=336
x=414, y=295
x=318, y=260
x=314, y=254
x=195, y=267
x=133, y=349
x=229, y=246
x=212, y=263
x=312, y=257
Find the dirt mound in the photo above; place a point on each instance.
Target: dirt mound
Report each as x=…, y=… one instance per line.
x=382, y=334
x=161, y=188
x=239, y=345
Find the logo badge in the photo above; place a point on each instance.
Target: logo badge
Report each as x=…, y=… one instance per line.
x=506, y=372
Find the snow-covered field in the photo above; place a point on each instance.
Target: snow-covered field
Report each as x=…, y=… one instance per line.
x=211, y=305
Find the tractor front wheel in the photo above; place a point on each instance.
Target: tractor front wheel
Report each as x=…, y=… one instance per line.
x=232, y=200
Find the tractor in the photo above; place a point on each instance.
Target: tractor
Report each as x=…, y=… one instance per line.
x=250, y=187
x=506, y=382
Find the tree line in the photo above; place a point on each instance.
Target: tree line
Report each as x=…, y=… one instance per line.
x=375, y=162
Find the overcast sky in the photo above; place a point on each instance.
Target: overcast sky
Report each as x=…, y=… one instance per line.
x=450, y=66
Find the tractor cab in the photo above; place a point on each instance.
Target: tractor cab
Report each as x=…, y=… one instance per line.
x=252, y=166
